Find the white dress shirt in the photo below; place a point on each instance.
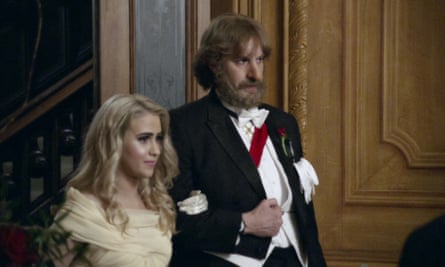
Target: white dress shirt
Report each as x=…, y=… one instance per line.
x=276, y=186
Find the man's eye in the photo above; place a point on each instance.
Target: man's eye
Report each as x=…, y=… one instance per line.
x=242, y=61
x=260, y=59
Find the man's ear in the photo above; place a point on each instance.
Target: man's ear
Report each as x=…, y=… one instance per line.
x=214, y=68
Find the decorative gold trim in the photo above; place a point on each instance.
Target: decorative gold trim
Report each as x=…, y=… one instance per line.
x=298, y=63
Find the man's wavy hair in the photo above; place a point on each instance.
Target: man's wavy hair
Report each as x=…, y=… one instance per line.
x=102, y=152
x=224, y=37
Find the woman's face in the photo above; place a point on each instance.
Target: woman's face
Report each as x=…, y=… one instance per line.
x=142, y=145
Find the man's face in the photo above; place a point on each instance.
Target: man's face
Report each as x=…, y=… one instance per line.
x=240, y=77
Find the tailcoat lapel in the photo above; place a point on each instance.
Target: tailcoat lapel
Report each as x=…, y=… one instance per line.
x=291, y=173
x=286, y=162
x=225, y=132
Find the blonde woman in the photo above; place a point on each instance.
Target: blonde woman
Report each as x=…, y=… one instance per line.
x=117, y=203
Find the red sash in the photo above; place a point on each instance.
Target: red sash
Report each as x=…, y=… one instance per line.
x=258, y=142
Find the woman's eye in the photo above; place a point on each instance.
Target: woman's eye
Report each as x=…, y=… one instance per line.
x=143, y=139
x=159, y=138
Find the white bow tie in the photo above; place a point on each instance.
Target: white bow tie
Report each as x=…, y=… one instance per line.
x=257, y=116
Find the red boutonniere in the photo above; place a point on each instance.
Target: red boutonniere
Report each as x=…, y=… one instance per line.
x=286, y=144
x=283, y=137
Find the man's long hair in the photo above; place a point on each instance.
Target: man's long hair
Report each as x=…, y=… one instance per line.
x=224, y=37
x=102, y=152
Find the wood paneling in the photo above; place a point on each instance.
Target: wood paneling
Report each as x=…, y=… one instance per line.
x=374, y=121
x=295, y=50
x=197, y=17
x=413, y=96
x=115, y=42
x=393, y=152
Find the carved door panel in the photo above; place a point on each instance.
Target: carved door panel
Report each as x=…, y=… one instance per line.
x=378, y=141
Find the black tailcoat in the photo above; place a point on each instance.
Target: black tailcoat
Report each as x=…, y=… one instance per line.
x=214, y=159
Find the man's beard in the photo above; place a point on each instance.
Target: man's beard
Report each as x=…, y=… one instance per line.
x=233, y=97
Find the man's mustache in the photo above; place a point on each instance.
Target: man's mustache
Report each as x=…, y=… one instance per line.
x=257, y=84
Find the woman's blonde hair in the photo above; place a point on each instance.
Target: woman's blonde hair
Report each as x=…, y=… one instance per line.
x=102, y=152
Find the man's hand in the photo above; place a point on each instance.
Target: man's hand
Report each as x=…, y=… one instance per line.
x=264, y=220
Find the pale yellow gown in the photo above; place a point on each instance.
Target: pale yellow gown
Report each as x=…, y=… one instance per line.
x=142, y=244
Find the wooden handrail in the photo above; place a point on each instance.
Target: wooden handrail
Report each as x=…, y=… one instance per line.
x=52, y=96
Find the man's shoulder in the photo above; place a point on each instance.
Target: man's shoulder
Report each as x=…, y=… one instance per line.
x=276, y=112
x=434, y=229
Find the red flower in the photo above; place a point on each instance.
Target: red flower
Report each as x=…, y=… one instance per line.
x=286, y=144
x=283, y=139
x=16, y=245
x=282, y=132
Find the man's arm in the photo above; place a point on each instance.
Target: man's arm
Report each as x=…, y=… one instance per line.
x=216, y=229
x=263, y=221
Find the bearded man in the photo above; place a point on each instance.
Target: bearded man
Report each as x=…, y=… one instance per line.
x=245, y=158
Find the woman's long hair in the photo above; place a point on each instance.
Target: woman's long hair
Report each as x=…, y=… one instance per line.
x=102, y=152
